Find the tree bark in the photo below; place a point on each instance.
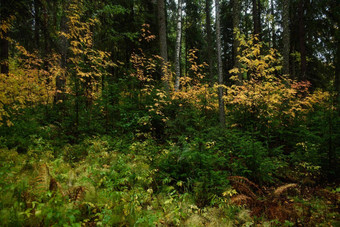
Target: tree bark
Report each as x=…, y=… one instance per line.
x=209, y=39
x=4, y=44
x=178, y=45
x=219, y=60
x=162, y=30
x=337, y=70
x=236, y=42
x=286, y=36
x=63, y=46
x=4, y=54
x=36, y=24
x=273, y=24
x=256, y=18
x=162, y=39
x=302, y=39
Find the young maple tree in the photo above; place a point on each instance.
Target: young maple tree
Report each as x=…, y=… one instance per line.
x=27, y=84
x=264, y=92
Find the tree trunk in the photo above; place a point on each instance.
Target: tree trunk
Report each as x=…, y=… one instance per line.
x=61, y=78
x=4, y=44
x=36, y=24
x=286, y=36
x=209, y=39
x=219, y=60
x=4, y=54
x=178, y=45
x=256, y=18
x=162, y=39
x=236, y=42
x=44, y=30
x=302, y=39
x=162, y=30
x=273, y=24
x=337, y=70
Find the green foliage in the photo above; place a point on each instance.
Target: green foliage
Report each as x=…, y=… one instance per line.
x=193, y=166
x=113, y=184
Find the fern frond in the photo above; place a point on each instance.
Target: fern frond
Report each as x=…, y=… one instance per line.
x=55, y=186
x=283, y=188
x=77, y=193
x=245, y=181
x=245, y=189
x=241, y=199
x=42, y=181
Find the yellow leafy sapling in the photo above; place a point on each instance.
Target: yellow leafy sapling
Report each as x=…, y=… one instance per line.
x=263, y=90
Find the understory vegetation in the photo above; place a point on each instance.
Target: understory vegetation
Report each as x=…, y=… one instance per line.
x=135, y=180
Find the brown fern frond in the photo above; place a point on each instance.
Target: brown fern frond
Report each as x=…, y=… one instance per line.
x=245, y=189
x=55, y=186
x=241, y=199
x=283, y=188
x=42, y=181
x=77, y=193
x=61, y=189
x=246, y=181
x=280, y=212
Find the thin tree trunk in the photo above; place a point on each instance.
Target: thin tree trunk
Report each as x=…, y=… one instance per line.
x=61, y=78
x=337, y=70
x=256, y=18
x=162, y=39
x=294, y=65
x=286, y=36
x=219, y=60
x=36, y=23
x=44, y=29
x=4, y=44
x=178, y=45
x=4, y=54
x=209, y=39
x=302, y=39
x=162, y=30
x=236, y=42
x=273, y=24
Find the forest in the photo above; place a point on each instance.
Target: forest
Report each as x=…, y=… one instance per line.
x=169, y=113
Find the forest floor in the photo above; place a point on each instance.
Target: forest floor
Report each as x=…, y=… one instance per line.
x=110, y=182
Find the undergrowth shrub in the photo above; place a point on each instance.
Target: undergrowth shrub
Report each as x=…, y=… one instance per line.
x=192, y=166
x=282, y=113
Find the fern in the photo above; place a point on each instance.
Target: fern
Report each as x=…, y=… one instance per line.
x=273, y=205
x=77, y=193
x=42, y=181
x=278, y=192
x=241, y=199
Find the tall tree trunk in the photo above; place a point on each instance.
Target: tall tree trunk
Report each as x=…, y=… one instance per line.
x=162, y=30
x=178, y=45
x=236, y=42
x=63, y=46
x=256, y=18
x=4, y=54
x=337, y=69
x=4, y=44
x=286, y=36
x=209, y=39
x=36, y=23
x=302, y=39
x=273, y=24
x=219, y=60
x=44, y=29
x=162, y=39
